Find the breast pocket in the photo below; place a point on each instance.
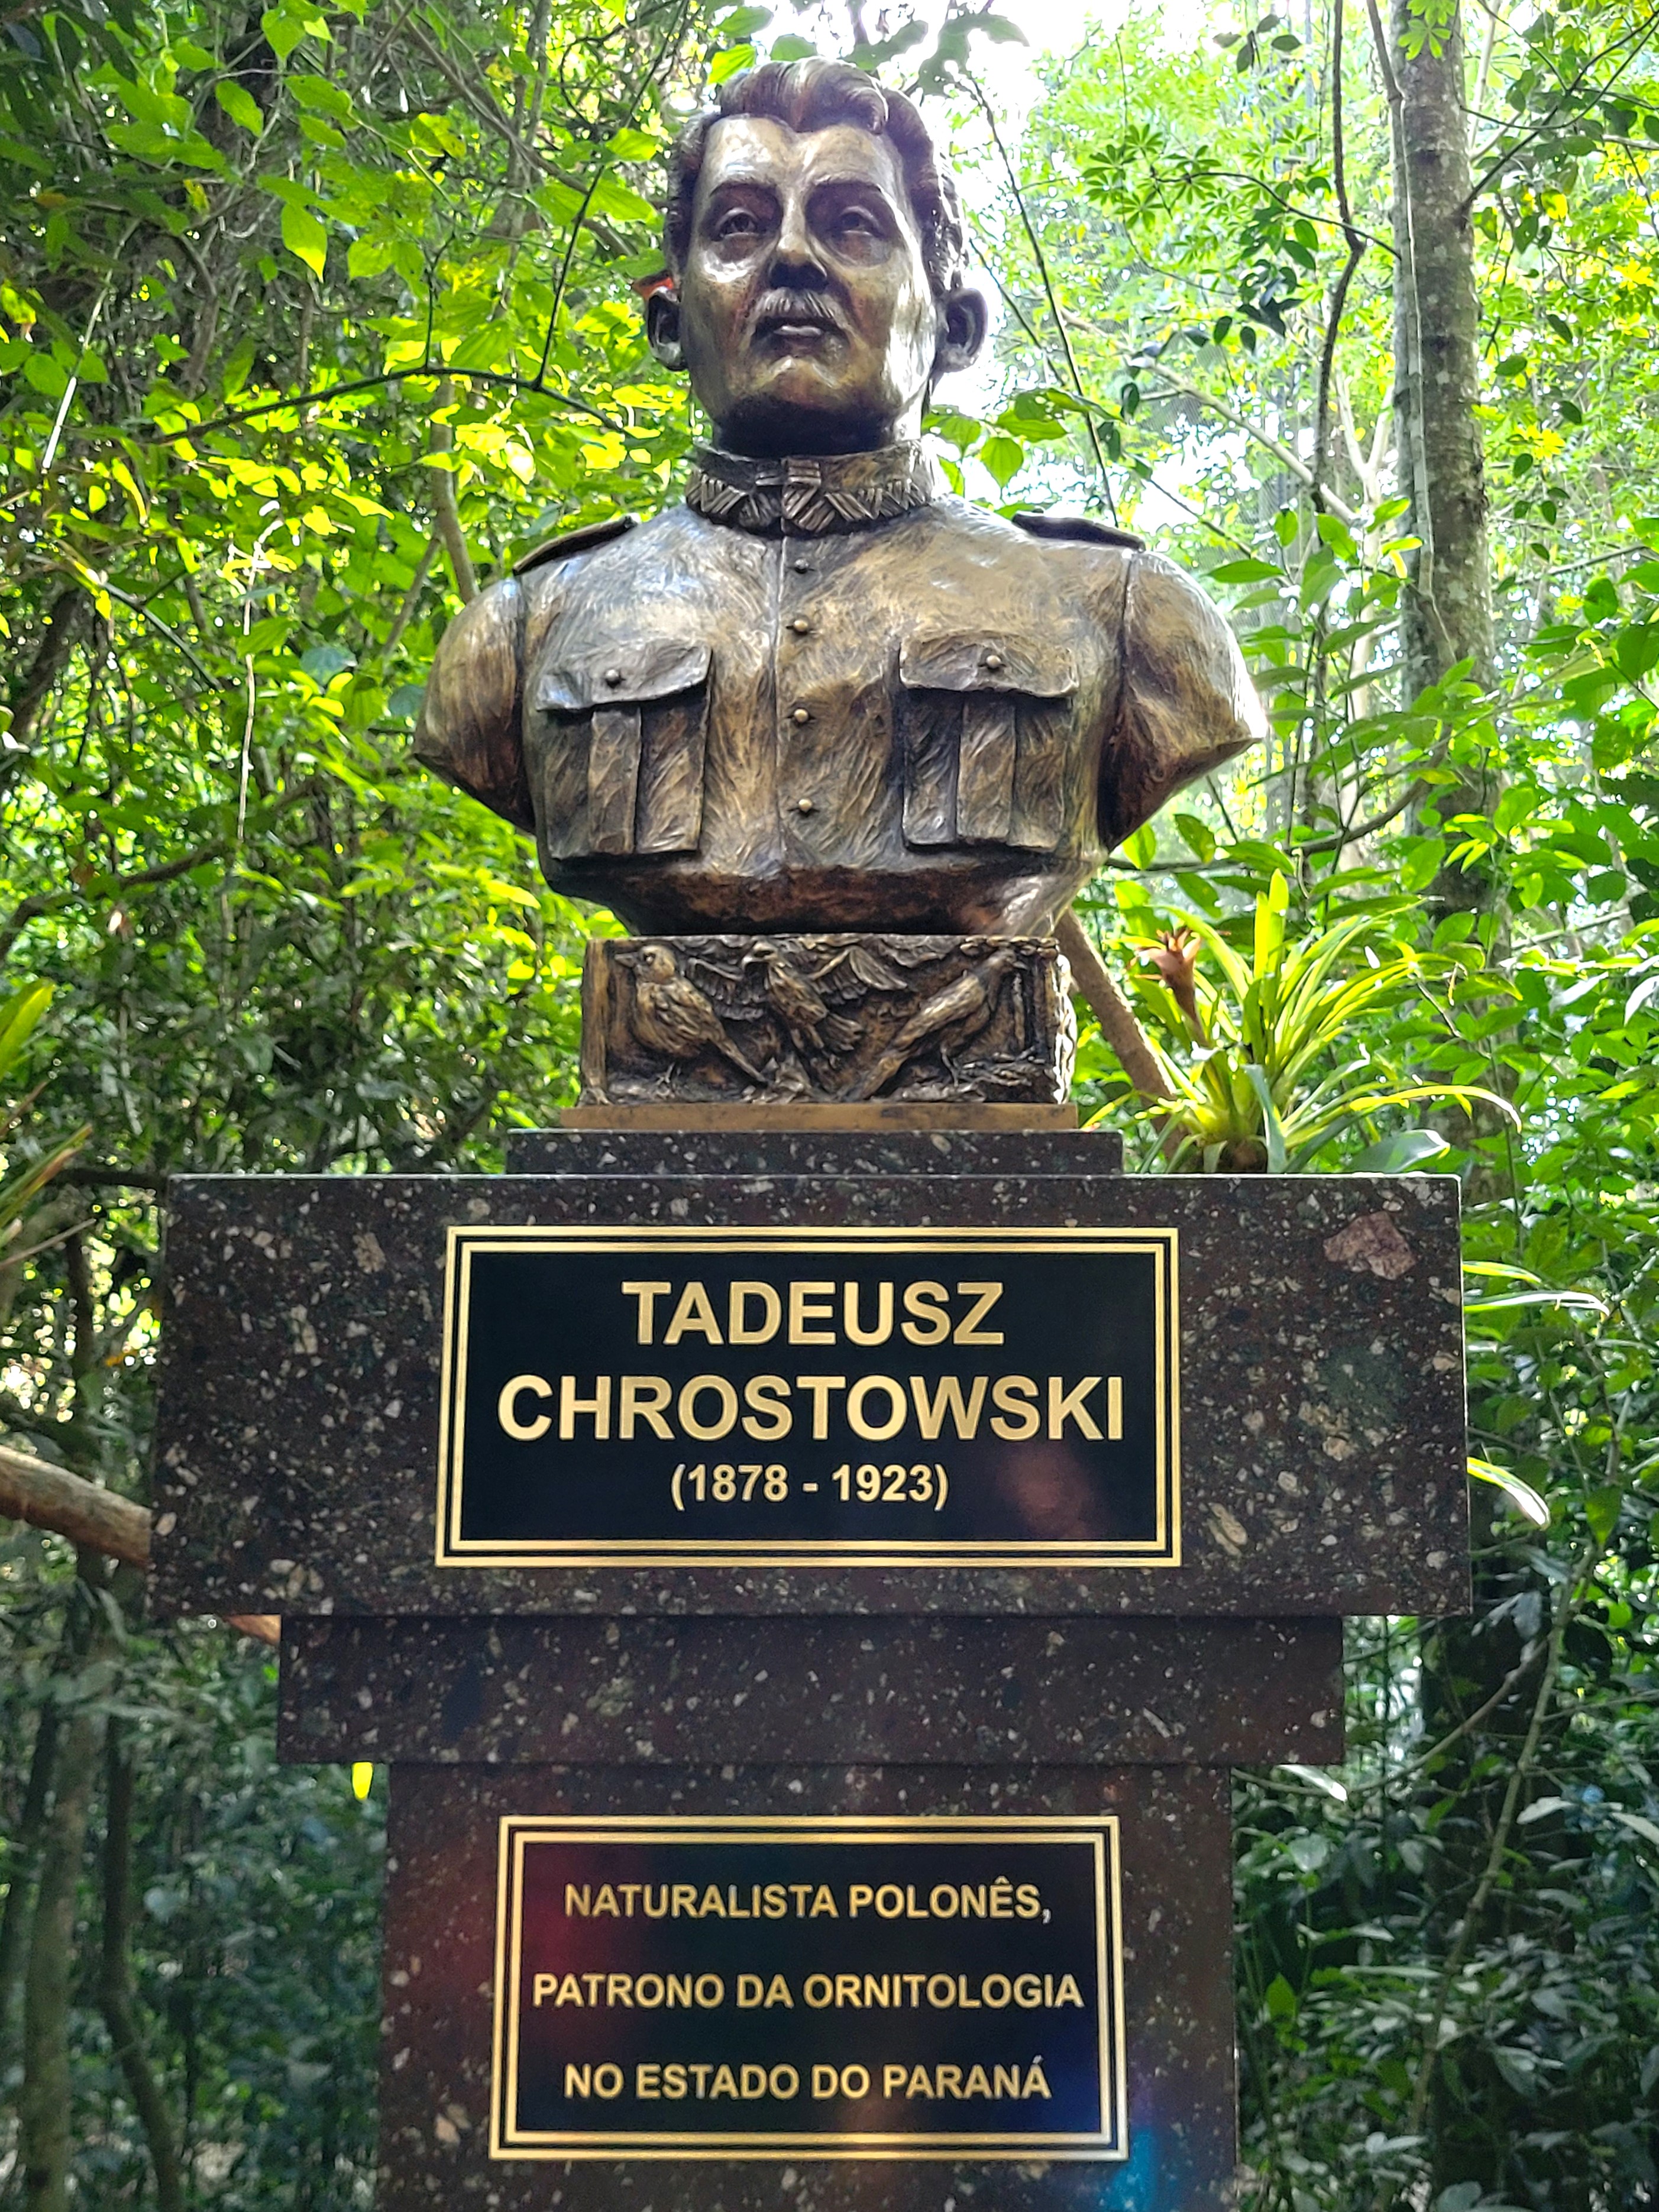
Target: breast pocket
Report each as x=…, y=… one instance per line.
x=986, y=724
x=625, y=730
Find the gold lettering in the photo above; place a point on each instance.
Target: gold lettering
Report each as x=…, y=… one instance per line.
x=1066, y=1405
x=693, y=1316
x=725, y=1421
x=1115, y=1408
x=643, y=1397
x=1011, y=1396
x=570, y=1405
x=856, y=1332
x=647, y=1294
x=575, y=1901
x=818, y=1387
x=1029, y=1900
x=927, y=1303
x=897, y=1410
x=524, y=1432
x=738, y=1299
x=948, y=1399
x=768, y=1418
x=985, y=1296
x=810, y=1302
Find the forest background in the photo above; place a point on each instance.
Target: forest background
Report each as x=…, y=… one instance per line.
x=314, y=316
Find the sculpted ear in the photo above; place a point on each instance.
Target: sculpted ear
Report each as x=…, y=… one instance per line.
x=963, y=321
x=662, y=329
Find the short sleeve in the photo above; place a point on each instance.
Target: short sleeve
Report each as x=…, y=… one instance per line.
x=468, y=730
x=1186, y=702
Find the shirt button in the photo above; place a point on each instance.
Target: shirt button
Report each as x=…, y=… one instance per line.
x=801, y=625
x=800, y=715
x=805, y=806
x=802, y=567
x=613, y=676
x=994, y=661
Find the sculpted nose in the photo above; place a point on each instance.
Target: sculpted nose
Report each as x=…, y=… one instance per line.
x=795, y=258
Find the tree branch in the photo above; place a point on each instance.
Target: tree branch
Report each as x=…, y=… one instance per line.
x=48, y=1497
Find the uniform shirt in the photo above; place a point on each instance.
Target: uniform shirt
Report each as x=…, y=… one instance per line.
x=824, y=694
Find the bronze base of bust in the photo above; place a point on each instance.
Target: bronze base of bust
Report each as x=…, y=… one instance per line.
x=811, y=1022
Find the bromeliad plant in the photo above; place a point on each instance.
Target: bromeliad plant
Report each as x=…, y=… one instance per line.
x=1274, y=1066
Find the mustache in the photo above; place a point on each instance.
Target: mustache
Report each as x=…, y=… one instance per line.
x=783, y=306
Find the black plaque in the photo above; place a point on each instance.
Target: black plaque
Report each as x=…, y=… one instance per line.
x=982, y=1397
x=836, y=1987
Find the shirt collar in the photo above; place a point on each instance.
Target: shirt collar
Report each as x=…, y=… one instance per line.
x=809, y=496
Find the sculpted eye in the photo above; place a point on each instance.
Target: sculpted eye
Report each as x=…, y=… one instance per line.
x=736, y=223
x=859, y=220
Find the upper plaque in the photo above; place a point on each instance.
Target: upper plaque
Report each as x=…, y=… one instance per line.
x=866, y=1396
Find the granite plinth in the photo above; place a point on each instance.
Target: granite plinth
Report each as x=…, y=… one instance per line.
x=1321, y=1397
x=439, y=1967
x=873, y=1148
x=657, y=1693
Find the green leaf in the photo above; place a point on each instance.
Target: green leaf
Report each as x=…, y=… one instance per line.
x=282, y=31
x=1248, y=570
x=1398, y=1154
x=1601, y=1510
x=1196, y=834
x=1004, y=457
x=1520, y=1495
x=240, y=105
x=303, y=234
x=1279, y=1998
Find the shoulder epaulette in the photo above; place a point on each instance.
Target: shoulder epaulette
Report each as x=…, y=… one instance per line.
x=567, y=542
x=1077, y=526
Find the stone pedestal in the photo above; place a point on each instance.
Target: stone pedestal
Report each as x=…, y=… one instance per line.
x=747, y=1518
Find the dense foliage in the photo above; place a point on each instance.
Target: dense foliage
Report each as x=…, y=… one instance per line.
x=311, y=319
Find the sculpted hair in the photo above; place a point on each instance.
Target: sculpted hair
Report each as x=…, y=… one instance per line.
x=811, y=95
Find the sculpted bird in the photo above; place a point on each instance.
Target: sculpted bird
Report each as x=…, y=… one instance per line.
x=955, y=1014
x=801, y=1006
x=673, y=1018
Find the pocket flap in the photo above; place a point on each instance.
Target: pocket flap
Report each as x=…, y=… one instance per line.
x=622, y=675
x=980, y=662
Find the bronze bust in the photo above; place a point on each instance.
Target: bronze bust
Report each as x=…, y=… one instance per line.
x=823, y=693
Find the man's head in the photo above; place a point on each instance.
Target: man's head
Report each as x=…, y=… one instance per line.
x=818, y=253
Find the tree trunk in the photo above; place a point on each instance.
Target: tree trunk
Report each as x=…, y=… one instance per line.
x=45, y=2140
x=1447, y=608
x=1448, y=602
x=22, y=1861
x=115, y=1993
x=44, y=2107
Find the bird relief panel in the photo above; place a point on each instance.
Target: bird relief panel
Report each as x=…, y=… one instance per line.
x=825, y=1019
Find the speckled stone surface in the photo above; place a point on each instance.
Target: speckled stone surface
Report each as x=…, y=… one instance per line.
x=875, y=1151
x=939, y=1693
x=1321, y=1388
x=438, y=1970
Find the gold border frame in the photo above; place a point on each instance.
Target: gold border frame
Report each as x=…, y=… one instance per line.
x=1110, y=2145
x=451, y=1550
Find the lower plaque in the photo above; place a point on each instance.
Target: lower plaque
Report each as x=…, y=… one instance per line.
x=836, y=1987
